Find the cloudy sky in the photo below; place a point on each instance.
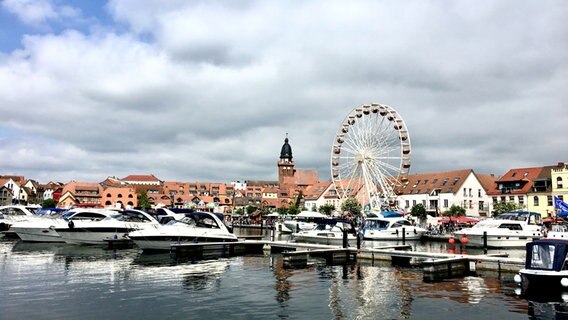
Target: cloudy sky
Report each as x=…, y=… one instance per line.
x=207, y=90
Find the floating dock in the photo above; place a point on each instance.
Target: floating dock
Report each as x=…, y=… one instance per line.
x=436, y=266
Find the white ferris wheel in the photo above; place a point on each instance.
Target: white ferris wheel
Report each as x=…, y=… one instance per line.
x=370, y=156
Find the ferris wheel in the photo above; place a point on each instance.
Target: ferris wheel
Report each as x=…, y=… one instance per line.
x=370, y=156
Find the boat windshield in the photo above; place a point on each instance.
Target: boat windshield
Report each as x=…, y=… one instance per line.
x=202, y=221
x=378, y=224
x=542, y=256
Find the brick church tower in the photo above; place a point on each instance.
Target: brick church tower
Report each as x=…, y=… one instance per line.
x=286, y=165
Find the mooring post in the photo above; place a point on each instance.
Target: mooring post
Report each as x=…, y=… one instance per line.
x=344, y=238
x=484, y=242
x=359, y=235
x=403, y=235
x=273, y=234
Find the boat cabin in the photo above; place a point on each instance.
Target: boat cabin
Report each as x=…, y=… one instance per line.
x=547, y=254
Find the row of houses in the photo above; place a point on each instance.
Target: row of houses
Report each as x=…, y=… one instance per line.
x=532, y=188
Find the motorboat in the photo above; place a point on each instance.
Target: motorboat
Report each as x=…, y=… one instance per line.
x=328, y=232
x=194, y=227
x=303, y=221
x=395, y=228
x=42, y=227
x=557, y=231
x=508, y=230
x=546, y=267
x=13, y=213
x=115, y=227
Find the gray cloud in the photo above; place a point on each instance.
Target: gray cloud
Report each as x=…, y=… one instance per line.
x=208, y=90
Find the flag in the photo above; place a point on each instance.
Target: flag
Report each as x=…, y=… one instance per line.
x=560, y=205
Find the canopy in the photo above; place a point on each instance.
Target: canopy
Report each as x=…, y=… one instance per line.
x=460, y=219
x=310, y=214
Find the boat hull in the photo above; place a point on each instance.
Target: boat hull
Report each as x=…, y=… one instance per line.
x=496, y=241
x=543, y=281
x=164, y=243
x=31, y=234
x=393, y=235
x=93, y=235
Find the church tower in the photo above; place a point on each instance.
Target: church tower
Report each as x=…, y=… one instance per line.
x=286, y=165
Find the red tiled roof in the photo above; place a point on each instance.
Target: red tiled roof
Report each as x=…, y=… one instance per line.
x=140, y=177
x=447, y=182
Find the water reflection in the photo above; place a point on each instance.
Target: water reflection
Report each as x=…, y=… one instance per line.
x=83, y=281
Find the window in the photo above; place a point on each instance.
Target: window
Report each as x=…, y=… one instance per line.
x=120, y=195
x=434, y=181
x=445, y=203
x=470, y=194
x=407, y=204
x=455, y=181
x=494, y=200
x=535, y=200
x=542, y=256
x=413, y=203
x=464, y=192
x=521, y=200
x=559, y=183
x=479, y=193
x=444, y=182
x=108, y=195
x=549, y=200
x=425, y=181
x=512, y=198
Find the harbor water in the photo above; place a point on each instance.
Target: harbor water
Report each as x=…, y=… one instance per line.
x=59, y=281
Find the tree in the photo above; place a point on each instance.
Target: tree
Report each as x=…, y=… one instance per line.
x=505, y=206
x=326, y=209
x=419, y=212
x=48, y=203
x=352, y=206
x=455, y=211
x=250, y=209
x=143, y=200
x=282, y=211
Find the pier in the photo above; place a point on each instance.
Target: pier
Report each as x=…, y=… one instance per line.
x=436, y=266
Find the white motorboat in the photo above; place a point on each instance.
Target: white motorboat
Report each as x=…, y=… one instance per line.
x=508, y=230
x=42, y=228
x=13, y=213
x=545, y=271
x=195, y=227
x=115, y=227
x=328, y=232
x=558, y=231
x=303, y=221
x=396, y=228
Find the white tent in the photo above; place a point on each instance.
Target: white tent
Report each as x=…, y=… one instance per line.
x=310, y=214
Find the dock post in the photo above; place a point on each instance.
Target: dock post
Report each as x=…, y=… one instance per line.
x=484, y=242
x=344, y=238
x=403, y=235
x=273, y=235
x=359, y=235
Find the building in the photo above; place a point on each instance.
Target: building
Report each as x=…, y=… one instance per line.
x=438, y=191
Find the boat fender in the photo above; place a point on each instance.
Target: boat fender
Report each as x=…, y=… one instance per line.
x=564, y=282
x=415, y=232
x=71, y=224
x=397, y=232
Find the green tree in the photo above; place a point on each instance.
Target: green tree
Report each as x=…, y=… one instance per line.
x=282, y=211
x=351, y=205
x=314, y=208
x=326, y=209
x=250, y=209
x=293, y=209
x=455, y=211
x=419, y=212
x=505, y=206
x=143, y=200
x=48, y=203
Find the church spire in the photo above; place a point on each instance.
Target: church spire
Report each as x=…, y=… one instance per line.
x=286, y=152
